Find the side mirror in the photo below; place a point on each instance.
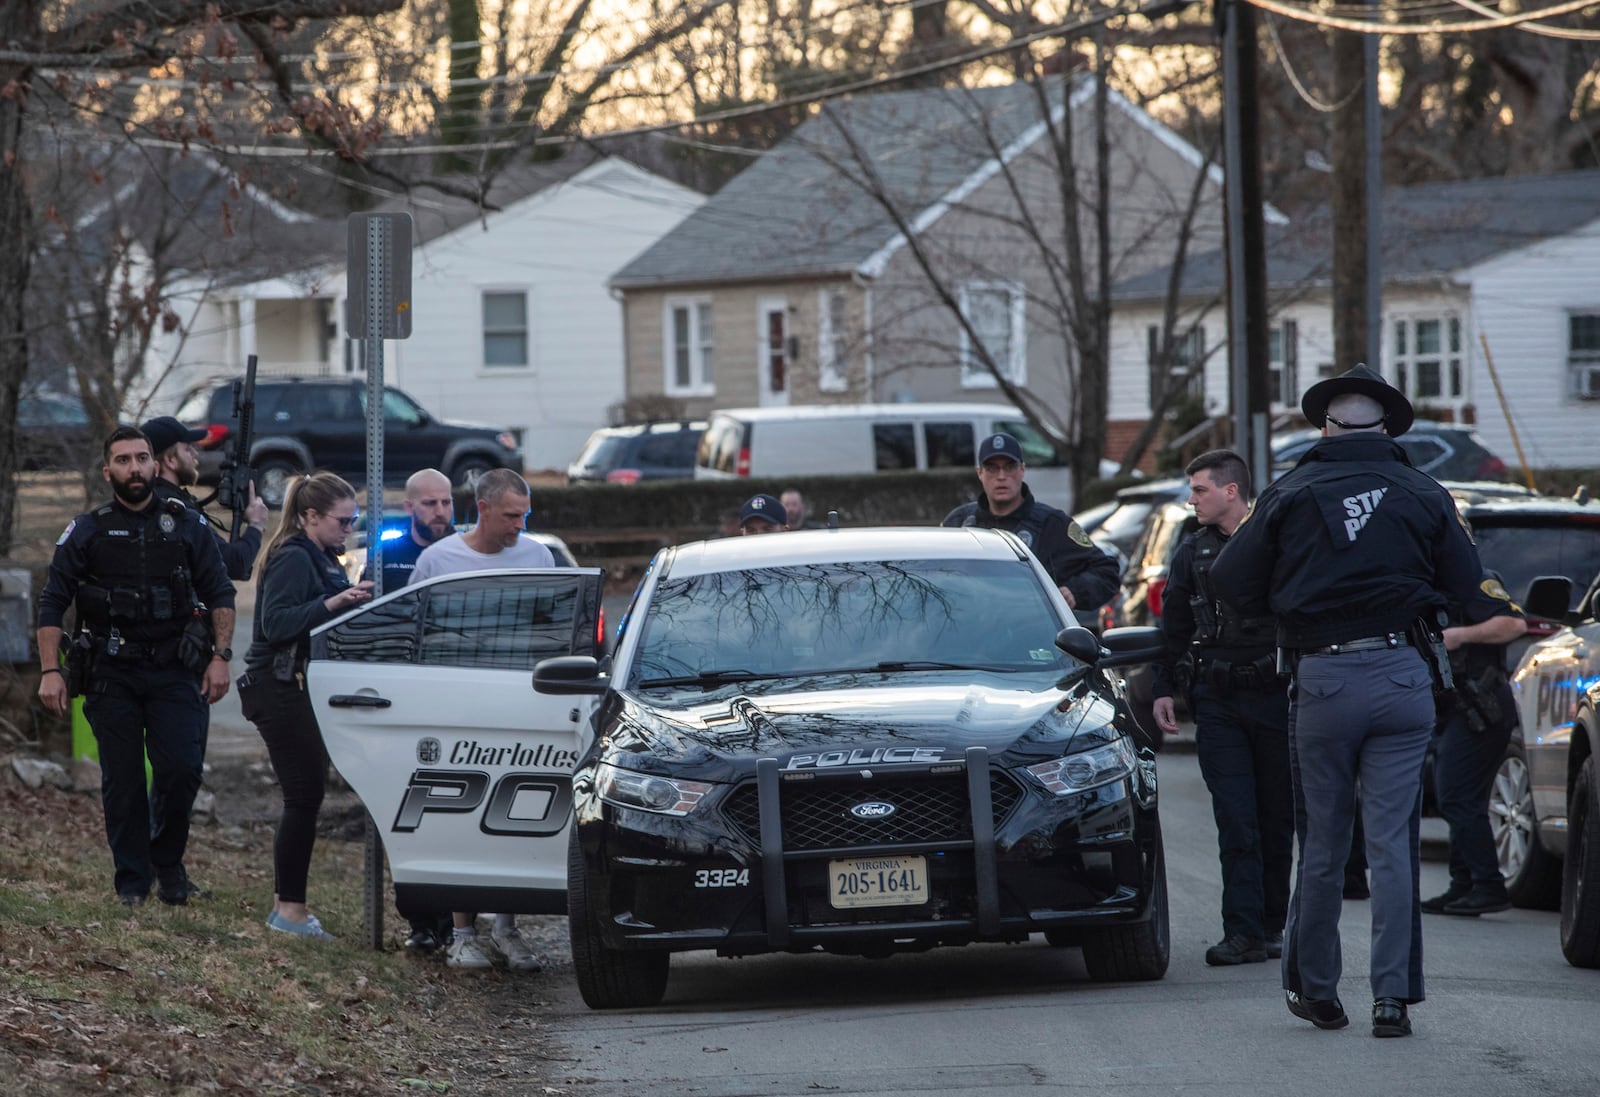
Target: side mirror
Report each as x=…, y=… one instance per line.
x=1079, y=643
x=1132, y=645
x=1548, y=598
x=566, y=675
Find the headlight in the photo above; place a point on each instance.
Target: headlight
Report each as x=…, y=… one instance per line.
x=667, y=795
x=1088, y=769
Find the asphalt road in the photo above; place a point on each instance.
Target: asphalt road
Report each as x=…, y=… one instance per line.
x=1506, y=1015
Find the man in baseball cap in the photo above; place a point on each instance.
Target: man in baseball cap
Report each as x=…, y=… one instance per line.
x=178, y=469
x=762, y=514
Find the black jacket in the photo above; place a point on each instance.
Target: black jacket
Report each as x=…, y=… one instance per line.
x=1352, y=542
x=298, y=579
x=237, y=556
x=1062, y=547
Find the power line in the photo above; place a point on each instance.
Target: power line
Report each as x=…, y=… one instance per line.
x=1373, y=26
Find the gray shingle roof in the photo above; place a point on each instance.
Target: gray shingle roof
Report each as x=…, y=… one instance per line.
x=793, y=214
x=1428, y=230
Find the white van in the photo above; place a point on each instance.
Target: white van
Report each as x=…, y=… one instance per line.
x=822, y=440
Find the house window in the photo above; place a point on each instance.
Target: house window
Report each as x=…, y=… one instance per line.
x=1184, y=369
x=688, y=343
x=505, y=328
x=1427, y=357
x=997, y=312
x=832, y=332
x=1283, y=363
x=1583, y=354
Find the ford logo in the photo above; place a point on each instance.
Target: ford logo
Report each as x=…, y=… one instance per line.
x=872, y=809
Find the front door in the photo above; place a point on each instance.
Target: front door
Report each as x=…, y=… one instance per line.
x=772, y=350
x=426, y=703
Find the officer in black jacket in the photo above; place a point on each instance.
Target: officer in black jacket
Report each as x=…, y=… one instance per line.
x=1087, y=577
x=430, y=514
x=1354, y=552
x=1227, y=664
x=178, y=469
x=144, y=573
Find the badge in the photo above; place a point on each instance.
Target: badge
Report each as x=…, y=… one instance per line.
x=66, y=532
x=1025, y=536
x=429, y=752
x=1075, y=532
x=166, y=523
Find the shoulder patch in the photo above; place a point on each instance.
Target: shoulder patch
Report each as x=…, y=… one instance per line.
x=72, y=525
x=1075, y=532
x=1495, y=589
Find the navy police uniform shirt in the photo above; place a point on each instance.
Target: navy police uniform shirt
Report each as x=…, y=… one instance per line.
x=69, y=567
x=1352, y=542
x=1070, y=558
x=237, y=556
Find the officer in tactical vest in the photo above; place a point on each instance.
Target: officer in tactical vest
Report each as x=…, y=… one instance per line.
x=1086, y=576
x=1355, y=552
x=1472, y=738
x=178, y=469
x=1227, y=666
x=155, y=620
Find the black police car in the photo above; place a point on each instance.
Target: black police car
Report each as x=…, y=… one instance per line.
x=862, y=741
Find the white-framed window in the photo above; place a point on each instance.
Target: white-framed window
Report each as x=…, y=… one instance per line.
x=1188, y=353
x=833, y=334
x=1583, y=353
x=1283, y=363
x=1427, y=357
x=998, y=313
x=688, y=346
x=505, y=328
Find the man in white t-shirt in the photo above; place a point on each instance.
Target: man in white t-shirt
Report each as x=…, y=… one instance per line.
x=495, y=542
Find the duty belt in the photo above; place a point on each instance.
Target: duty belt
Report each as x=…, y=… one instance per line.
x=1363, y=643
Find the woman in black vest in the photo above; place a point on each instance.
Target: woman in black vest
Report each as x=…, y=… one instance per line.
x=301, y=584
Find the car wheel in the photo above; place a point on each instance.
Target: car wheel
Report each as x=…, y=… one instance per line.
x=1532, y=876
x=467, y=470
x=272, y=480
x=608, y=978
x=1139, y=952
x=1580, y=876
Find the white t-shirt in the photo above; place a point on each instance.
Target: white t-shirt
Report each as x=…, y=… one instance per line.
x=453, y=555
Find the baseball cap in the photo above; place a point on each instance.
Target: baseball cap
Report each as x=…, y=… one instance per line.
x=165, y=432
x=765, y=507
x=1000, y=445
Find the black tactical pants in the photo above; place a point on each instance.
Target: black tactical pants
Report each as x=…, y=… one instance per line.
x=134, y=708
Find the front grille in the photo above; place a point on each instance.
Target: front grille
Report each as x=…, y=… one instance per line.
x=816, y=815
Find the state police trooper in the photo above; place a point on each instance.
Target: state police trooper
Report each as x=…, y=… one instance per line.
x=1227, y=664
x=145, y=575
x=1086, y=576
x=1355, y=552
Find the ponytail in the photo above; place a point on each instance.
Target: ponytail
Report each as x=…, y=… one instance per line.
x=318, y=491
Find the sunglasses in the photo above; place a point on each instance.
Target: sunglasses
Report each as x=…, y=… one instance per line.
x=347, y=523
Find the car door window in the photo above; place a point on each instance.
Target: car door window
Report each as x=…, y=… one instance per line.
x=1424, y=453
x=950, y=445
x=659, y=450
x=895, y=446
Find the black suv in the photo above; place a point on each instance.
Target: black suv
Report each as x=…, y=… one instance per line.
x=1445, y=451
x=638, y=451
x=311, y=423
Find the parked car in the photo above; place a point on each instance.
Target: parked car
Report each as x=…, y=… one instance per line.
x=859, y=741
x=53, y=433
x=638, y=451
x=1445, y=451
x=305, y=423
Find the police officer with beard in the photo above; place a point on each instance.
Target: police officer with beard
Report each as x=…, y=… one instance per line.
x=143, y=573
x=1086, y=576
x=178, y=469
x=1355, y=552
x=1227, y=663
x=430, y=508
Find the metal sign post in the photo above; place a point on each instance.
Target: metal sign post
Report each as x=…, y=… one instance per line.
x=378, y=294
x=378, y=307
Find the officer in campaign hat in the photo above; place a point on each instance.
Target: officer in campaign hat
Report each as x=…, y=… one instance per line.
x=762, y=514
x=146, y=576
x=1354, y=553
x=1086, y=576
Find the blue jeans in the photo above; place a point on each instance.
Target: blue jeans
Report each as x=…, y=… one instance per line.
x=1242, y=739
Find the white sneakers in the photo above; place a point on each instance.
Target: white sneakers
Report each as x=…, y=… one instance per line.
x=478, y=952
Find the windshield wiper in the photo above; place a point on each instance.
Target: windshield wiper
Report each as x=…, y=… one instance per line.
x=930, y=664
x=706, y=678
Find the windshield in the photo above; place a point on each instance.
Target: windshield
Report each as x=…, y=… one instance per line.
x=1521, y=553
x=602, y=451
x=788, y=622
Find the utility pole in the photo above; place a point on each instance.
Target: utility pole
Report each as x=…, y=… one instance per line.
x=1357, y=194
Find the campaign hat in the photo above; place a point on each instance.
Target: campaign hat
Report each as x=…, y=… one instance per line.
x=1361, y=380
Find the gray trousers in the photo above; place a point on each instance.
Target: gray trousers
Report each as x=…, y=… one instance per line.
x=1358, y=716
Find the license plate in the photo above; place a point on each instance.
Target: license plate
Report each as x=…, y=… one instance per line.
x=878, y=882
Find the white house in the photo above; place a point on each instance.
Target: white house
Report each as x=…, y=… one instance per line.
x=1512, y=264
x=512, y=323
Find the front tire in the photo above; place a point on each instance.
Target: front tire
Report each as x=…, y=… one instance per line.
x=1533, y=878
x=608, y=978
x=1134, y=953
x=272, y=480
x=1580, y=876
x=466, y=472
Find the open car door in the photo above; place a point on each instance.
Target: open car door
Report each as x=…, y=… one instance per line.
x=426, y=703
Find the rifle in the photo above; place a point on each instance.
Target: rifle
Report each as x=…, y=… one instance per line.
x=237, y=475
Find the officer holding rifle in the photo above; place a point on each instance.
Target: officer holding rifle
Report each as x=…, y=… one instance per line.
x=1356, y=553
